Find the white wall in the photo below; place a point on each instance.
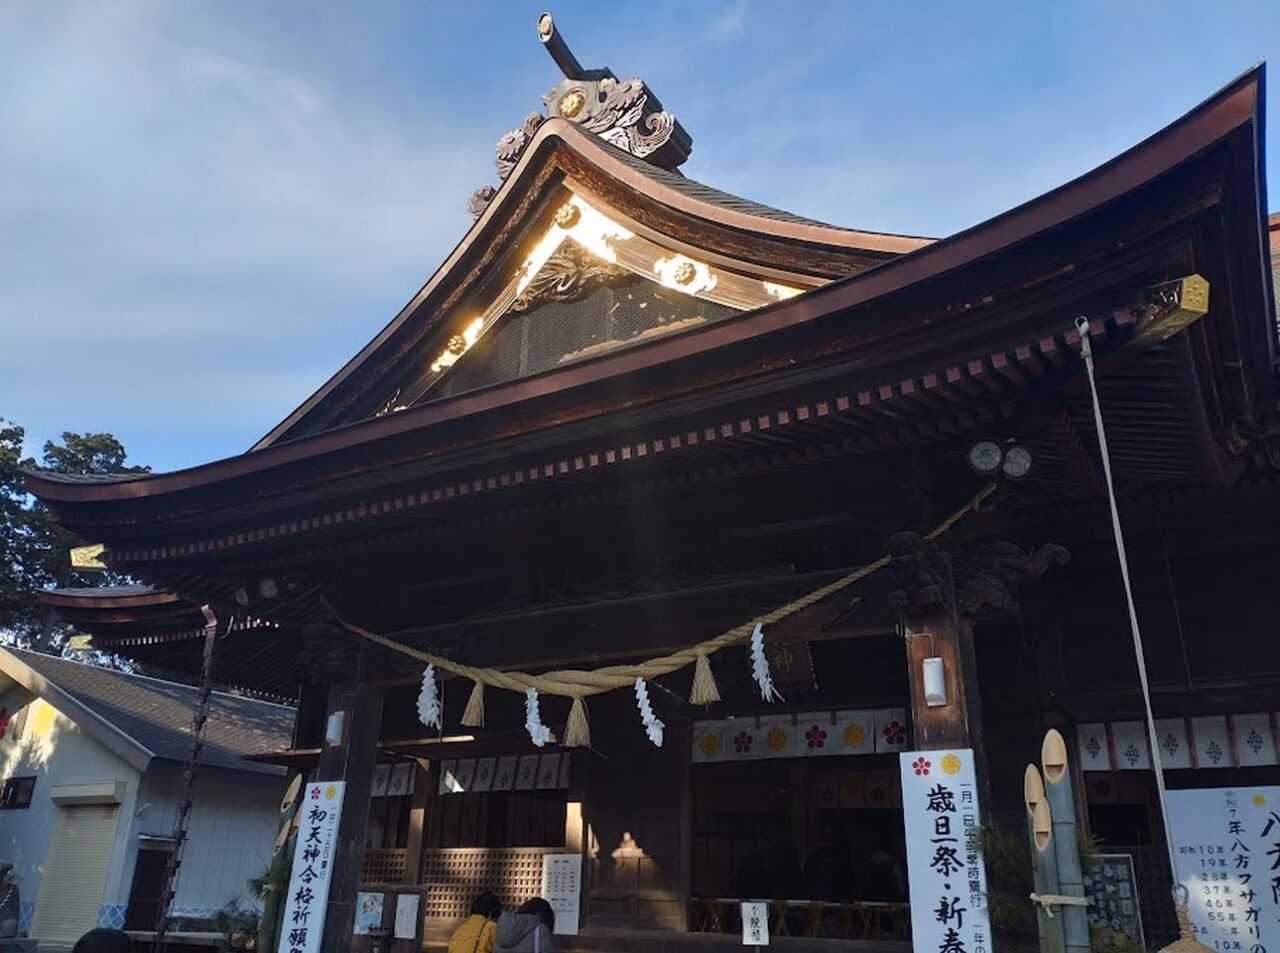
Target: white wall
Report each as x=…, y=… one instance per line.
x=56, y=752
x=231, y=832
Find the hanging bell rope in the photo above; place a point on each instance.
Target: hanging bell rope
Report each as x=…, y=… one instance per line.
x=582, y=683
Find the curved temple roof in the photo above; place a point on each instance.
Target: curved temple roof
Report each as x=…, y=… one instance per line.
x=1236, y=109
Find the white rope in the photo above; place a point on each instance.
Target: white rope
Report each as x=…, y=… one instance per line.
x=1050, y=900
x=1086, y=351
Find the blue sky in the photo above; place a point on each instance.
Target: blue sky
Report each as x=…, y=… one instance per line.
x=206, y=208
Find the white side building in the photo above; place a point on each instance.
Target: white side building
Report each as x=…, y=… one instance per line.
x=91, y=770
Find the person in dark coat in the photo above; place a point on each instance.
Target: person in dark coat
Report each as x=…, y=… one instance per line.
x=528, y=930
x=103, y=940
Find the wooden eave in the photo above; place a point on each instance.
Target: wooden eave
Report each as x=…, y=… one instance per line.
x=872, y=326
x=562, y=153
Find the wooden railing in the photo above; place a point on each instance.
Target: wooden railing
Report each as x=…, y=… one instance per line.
x=453, y=877
x=383, y=866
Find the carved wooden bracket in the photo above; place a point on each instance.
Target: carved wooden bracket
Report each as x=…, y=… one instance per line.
x=328, y=653
x=924, y=578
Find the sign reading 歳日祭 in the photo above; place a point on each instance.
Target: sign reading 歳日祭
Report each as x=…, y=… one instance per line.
x=944, y=855
x=303, y=922
x=1227, y=851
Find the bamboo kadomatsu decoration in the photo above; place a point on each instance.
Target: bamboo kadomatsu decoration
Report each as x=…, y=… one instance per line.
x=579, y=684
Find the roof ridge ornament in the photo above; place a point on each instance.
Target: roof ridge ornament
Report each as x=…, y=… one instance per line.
x=626, y=114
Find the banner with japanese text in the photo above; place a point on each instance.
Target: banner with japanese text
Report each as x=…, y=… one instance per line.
x=1227, y=853
x=303, y=923
x=944, y=857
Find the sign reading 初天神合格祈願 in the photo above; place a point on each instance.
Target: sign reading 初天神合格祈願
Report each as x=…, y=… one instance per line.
x=1227, y=854
x=944, y=855
x=303, y=923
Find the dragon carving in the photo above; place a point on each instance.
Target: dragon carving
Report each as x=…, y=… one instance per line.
x=568, y=274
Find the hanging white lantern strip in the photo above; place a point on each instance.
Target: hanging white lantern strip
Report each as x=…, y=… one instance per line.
x=652, y=726
x=539, y=732
x=429, y=699
x=760, y=666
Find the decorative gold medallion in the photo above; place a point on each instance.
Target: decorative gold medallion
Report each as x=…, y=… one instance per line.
x=571, y=103
x=685, y=272
x=568, y=215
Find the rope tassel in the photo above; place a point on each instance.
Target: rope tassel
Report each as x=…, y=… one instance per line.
x=705, y=691
x=577, y=732
x=473, y=717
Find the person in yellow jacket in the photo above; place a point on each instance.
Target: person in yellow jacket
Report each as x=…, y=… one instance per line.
x=477, y=932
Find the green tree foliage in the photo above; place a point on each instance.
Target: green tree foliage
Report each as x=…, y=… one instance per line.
x=34, y=550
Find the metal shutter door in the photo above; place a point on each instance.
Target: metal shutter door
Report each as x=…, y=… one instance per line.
x=75, y=872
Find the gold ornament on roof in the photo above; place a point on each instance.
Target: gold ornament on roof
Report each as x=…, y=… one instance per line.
x=568, y=215
x=685, y=272
x=572, y=102
x=457, y=344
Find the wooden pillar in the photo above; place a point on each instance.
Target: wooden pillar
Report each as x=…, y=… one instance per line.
x=958, y=723
x=417, y=824
x=351, y=760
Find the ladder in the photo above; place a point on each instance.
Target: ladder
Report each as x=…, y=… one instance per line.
x=199, y=716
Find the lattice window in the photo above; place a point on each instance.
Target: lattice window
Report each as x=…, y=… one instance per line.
x=383, y=866
x=453, y=878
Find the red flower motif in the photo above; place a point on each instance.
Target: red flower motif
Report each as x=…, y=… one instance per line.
x=895, y=733
x=920, y=766
x=742, y=743
x=816, y=737
x=5, y=719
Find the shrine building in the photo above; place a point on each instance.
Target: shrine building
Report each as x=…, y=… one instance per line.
x=631, y=417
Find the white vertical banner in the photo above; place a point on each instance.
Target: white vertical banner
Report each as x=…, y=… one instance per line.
x=856, y=732
x=1226, y=843
x=891, y=730
x=401, y=780
x=562, y=888
x=548, y=772
x=303, y=922
x=755, y=923
x=1213, y=744
x=1175, y=748
x=381, y=775
x=1093, y=747
x=1255, y=742
x=1132, y=753
x=944, y=855
x=708, y=741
